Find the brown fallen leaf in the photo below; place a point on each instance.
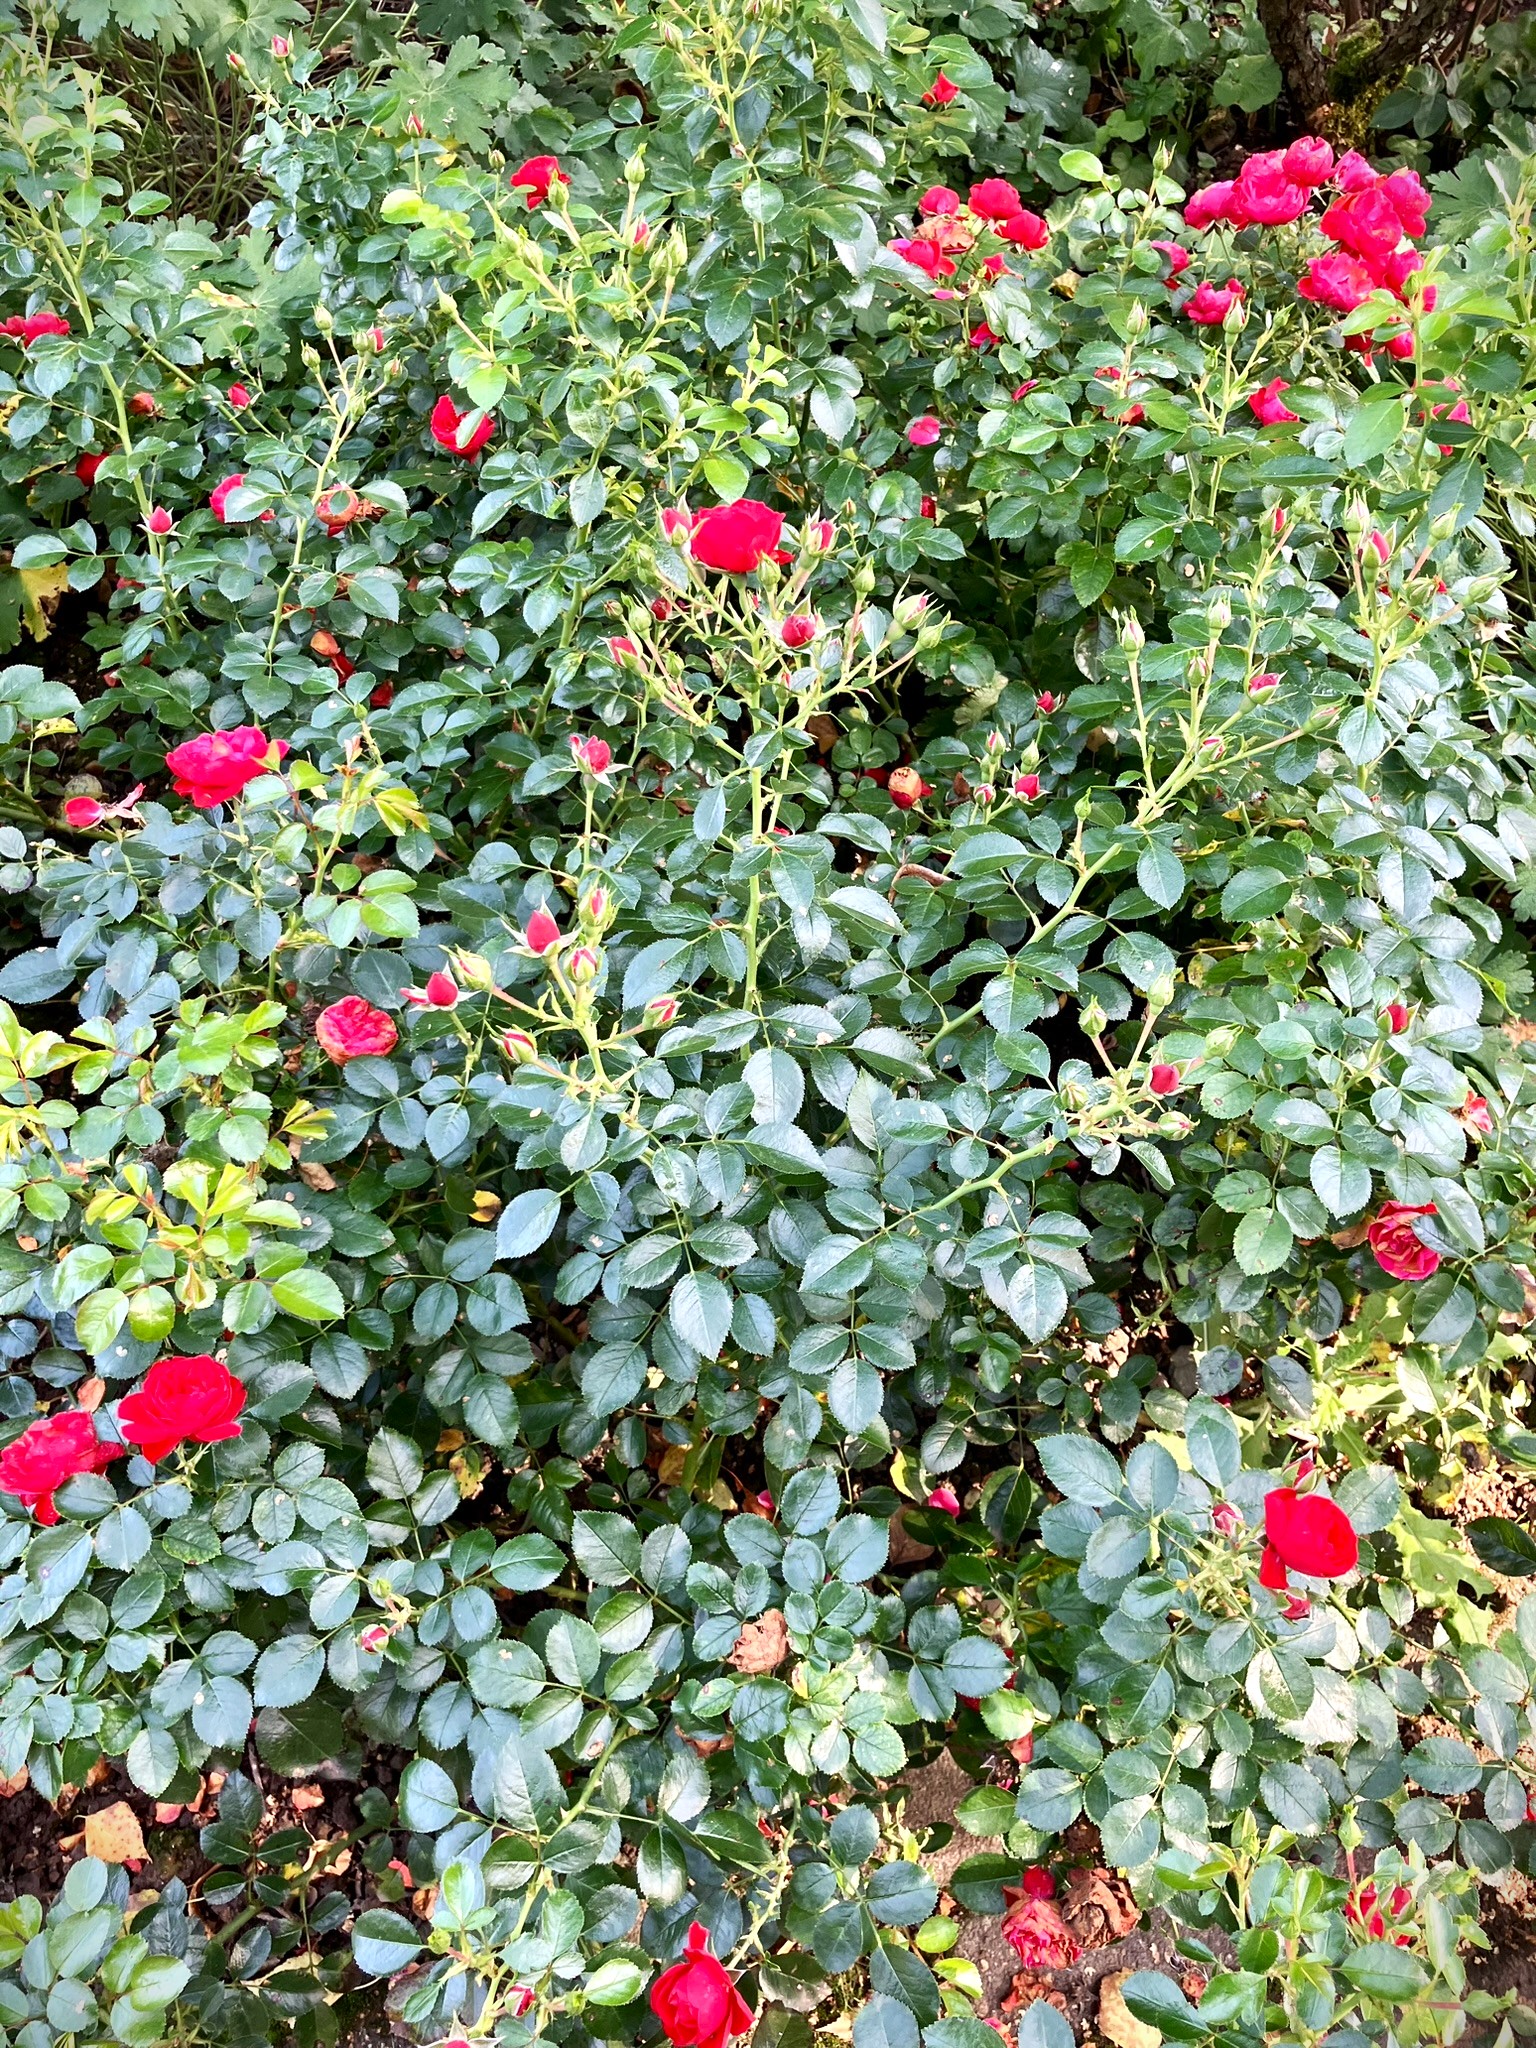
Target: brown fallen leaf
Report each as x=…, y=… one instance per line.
x=90, y=1394
x=315, y=1176
x=673, y=1459
x=1346, y=1240
x=113, y=1834
x=17, y=1782
x=905, y=1548
x=1098, y=1907
x=1117, y=2022
x=98, y=1774
x=306, y=1798
x=762, y=1645
x=1027, y=1989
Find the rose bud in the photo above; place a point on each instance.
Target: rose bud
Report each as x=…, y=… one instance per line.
x=1396, y=1014
x=661, y=1010
x=1045, y=703
x=1263, y=684
x=583, y=964
x=542, y=932
x=945, y=1499
x=905, y=787
x=798, y=630
x=519, y=1046
x=159, y=521
x=1163, y=1080
x=145, y=406
x=1027, y=787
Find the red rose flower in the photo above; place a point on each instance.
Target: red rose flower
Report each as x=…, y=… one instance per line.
x=1310, y=1534
x=1474, y=1113
x=1176, y=256
x=542, y=932
x=1365, y=223
x=87, y=467
x=928, y=509
x=697, y=2001
x=904, y=786
x=1211, y=203
x=1339, y=282
x=238, y=397
x=535, y=178
x=447, y=422
x=736, y=538
x=1308, y=160
x=798, y=630
x=1352, y=172
x=1405, y=193
x=182, y=1400
x=353, y=1029
x=1036, y=1883
x=1045, y=703
x=1164, y=1080
x=216, y=766
x=159, y=521
x=1208, y=304
x=945, y=1499
x=1027, y=787
x=1036, y=1932
x=994, y=199
x=922, y=433
x=82, y=813
x=1399, y=1250
x=29, y=327
x=595, y=756
x=938, y=199
x=1027, y=229
x=925, y=255
x=942, y=93
x=1267, y=197
x=982, y=336
x=1269, y=408
x=47, y=1453
x=1396, y=1015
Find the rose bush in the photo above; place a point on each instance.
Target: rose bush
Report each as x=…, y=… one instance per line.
x=767, y=876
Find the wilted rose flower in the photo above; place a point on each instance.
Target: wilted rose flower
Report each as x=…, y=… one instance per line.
x=353, y=1028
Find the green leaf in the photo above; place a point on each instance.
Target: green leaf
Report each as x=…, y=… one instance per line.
x=1373, y=427
x=526, y=1223
x=394, y=1465
x=311, y=1295
x=1160, y=873
x=384, y=1942
x=1383, y=1970
x=1158, y=2002
x=700, y=1312
x=1263, y=1241
x=1504, y=1546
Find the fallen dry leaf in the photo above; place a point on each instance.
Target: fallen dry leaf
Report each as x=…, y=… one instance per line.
x=905, y=1549
x=451, y=1440
x=114, y=1834
x=1098, y=1907
x=1027, y=1989
x=306, y=1798
x=315, y=1176
x=90, y=1394
x=98, y=1774
x=762, y=1645
x=17, y=1782
x=673, y=1459
x=1117, y=2022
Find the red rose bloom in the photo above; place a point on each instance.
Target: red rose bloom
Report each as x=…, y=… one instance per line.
x=218, y=499
x=922, y=433
x=928, y=509
x=1310, y=1534
x=1268, y=197
x=697, y=2001
x=1405, y=193
x=1365, y=223
x=446, y=423
x=535, y=178
x=1353, y=172
x=925, y=255
x=1339, y=282
x=182, y=1400
x=1399, y=1250
x=945, y=1499
x=1036, y=1932
x=938, y=199
x=1176, y=256
x=1027, y=787
x=1210, y=203
x=994, y=199
x=1208, y=304
x=238, y=397
x=352, y=1028
x=1164, y=1080
x=736, y=538
x=1025, y=228
x=29, y=327
x=47, y=1453
x=1308, y=160
x=941, y=93
x=87, y=467
x=798, y=630
x=216, y=766
x=1269, y=408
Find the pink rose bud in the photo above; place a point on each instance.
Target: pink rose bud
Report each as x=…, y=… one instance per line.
x=519, y=1046
x=661, y=1010
x=1262, y=684
x=1277, y=521
x=1380, y=543
x=1395, y=1013
x=1226, y=1518
x=984, y=793
x=582, y=964
x=1215, y=746
x=640, y=233
x=440, y=993
x=1023, y=390
x=1026, y=786
x=281, y=47
x=676, y=523
x=595, y=905
x=238, y=397
x=995, y=742
x=595, y=756
x=799, y=630
x=1163, y=1080
x=373, y=1638
x=922, y=433
x=82, y=813
x=661, y=608
x=376, y=337
x=1045, y=703
x=414, y=125
x=945, y=1499
x=542, y=932
x=622, y=649
x=819, y=536
x=159, y=521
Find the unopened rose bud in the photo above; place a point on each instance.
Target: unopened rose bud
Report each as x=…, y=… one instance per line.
x=1160, y=994
x=1219, y=1043
x=473, y=970
x=321, y=315
x=1138, y=318
x=519, y=1046
x=1132, y=638
x=1092, y=1018
x=908, y=611
x=984, y=794
x=661, y=1010
x=595, y=906
x=582, y=964
x=634, y=169
x=1074, y=1095
x=373, y=1638
x=414, y=125
x=1264, y=684
x=1174, y=1124
x=995, y=743
x=281, y=47
x=1219, y=612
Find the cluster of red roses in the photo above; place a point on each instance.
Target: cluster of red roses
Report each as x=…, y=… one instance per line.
x=182, y=1400
x=1372, y=219
x=29, y=327
x=949, y=227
